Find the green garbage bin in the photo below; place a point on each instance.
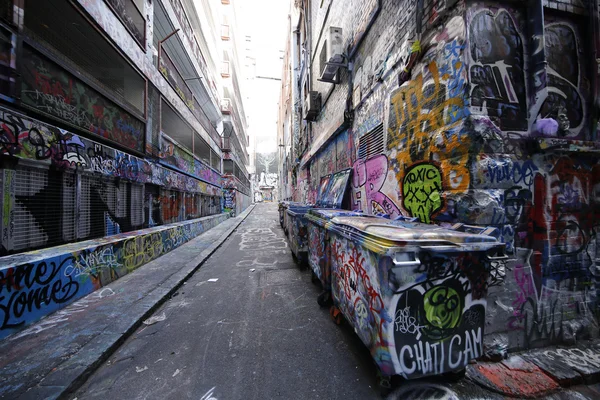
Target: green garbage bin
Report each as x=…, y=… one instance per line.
x=318, y=219
x=414, y=293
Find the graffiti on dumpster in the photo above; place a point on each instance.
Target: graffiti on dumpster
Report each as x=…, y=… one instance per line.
x=360, y=299
x=438, y=320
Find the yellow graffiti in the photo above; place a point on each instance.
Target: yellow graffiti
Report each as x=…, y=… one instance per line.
x=427, y=122
x=142, y=249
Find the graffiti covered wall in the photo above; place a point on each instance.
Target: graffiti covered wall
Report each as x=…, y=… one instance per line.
x=35, y=284
x=489, y=120
x=27, y=138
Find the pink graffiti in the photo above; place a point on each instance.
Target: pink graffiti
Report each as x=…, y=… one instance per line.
x=370, y=176
x=526, y=290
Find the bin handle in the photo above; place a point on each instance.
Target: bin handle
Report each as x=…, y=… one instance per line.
x=404, y=218
x=498, y=258
x=410, y=263
x=488, y=231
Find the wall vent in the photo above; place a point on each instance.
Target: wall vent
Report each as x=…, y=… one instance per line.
x=371, y=144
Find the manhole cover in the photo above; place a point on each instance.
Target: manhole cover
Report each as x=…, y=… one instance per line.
x=281, y=277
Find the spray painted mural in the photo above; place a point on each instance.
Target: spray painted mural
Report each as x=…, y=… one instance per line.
x=27, y=138
x=35, y=284
x=52, y=90
x=174, y=156
x=480, y=132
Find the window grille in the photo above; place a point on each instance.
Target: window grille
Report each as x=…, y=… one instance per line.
x=98, y=207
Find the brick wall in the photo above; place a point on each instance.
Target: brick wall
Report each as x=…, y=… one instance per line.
x=475, y=133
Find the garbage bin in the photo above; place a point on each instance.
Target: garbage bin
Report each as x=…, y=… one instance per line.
x=318, y=219
x=414, y=293
x=297, y=232
x=283, y=206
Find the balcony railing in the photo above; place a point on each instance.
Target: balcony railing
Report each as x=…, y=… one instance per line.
x=230, y=143
x=131, y=17
x=225, y=144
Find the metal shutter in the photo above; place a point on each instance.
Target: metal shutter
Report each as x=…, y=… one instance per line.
x=40, y=208
x=137, y=205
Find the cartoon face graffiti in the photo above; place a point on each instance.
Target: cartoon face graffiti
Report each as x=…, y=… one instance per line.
x=443, y=310
x=422, y=186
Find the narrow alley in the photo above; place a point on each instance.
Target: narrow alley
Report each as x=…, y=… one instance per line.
x=245, y=326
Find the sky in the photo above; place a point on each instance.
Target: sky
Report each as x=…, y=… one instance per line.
x=266, y=21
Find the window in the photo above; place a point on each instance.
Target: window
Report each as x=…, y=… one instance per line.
x=228, y=167
x=176, y=127
x=202, y=149
x=81, y=46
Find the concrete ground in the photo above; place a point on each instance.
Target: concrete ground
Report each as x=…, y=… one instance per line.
x=245, y=325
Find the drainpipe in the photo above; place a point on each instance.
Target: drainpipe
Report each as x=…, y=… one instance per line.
x=419, y=17
x=367, y=29
x=415, y=50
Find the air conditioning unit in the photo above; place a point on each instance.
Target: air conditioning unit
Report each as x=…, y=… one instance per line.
x=226, y=106
x=331, y=57
x=312, y=106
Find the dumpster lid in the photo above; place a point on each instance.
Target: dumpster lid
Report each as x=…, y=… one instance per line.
x=298, y=210
x=323, y=188
x=334, y=195
x=410, y=231
x=329, y=213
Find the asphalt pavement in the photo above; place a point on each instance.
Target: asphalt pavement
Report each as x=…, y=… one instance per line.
x=246, y=325
x=230, y=315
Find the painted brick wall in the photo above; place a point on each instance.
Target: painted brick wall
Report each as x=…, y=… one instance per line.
x=475, y=131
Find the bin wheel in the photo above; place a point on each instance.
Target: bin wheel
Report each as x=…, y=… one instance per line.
x=302, y=265
x=324, y=298
x=336, y=315
x=385, y=384
x=313, y=277
x=455, y=376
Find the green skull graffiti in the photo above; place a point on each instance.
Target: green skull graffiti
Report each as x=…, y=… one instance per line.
x=421, y=187
x=443, y=308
